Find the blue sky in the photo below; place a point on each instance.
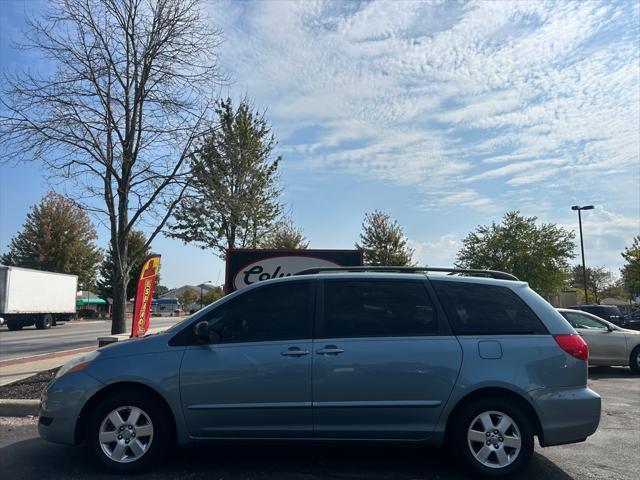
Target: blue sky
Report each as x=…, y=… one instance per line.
x=443, y=114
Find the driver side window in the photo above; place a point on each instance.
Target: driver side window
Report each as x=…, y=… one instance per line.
x=278, y=312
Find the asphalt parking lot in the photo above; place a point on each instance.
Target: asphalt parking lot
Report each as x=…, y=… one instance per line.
x=612, y=453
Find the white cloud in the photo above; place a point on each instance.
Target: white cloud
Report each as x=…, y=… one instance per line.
x=383, y=72
x=482, y=105
x=438, y=253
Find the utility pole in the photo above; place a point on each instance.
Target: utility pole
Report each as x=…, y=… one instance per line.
x=201, y=287
x=584, y=268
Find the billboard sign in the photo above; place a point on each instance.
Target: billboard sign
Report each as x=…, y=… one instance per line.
x=248, y=266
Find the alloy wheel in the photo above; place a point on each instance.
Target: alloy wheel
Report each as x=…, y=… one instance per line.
x=494, y=439
x=126, y=434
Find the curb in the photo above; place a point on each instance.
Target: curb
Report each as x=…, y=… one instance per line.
x=19, y=407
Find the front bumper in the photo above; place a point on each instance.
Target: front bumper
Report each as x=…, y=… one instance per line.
x=567, y=415
x=61, y=404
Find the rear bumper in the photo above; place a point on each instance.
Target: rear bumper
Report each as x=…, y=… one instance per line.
x=567, y=415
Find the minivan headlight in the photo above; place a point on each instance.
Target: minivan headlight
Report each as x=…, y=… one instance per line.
x=78, y=363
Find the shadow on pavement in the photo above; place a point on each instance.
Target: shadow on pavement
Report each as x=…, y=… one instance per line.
x=596, y=373
x=36, y=459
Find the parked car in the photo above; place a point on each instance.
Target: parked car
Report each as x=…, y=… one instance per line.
x=610, y=313
x=632, y=321
x=481, y=364
x=609, y=344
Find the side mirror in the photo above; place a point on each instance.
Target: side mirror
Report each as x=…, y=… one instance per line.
x=610, y=328
x=201, y=331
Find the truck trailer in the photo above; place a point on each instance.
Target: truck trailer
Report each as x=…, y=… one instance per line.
x=29, y=297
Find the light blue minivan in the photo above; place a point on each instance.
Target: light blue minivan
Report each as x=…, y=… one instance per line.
x=475, y=359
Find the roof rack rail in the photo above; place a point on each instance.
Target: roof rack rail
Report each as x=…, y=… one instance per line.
x=451, y=271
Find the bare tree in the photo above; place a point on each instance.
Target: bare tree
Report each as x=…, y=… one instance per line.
x=118, y=116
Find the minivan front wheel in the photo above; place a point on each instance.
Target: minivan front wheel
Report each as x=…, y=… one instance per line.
x=493, y=437
x=128, y=432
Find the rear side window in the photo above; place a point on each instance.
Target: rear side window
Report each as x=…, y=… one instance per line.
x=476, y=309
x=578, y=320
x=377, y=309
x=277, y=312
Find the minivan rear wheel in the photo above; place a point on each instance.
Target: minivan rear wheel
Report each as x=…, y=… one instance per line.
x=493, y=437
x=128, y=432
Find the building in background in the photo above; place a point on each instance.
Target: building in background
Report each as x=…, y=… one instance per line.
x=90, y=305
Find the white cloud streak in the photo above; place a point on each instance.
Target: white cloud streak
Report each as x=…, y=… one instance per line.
x=476, y=105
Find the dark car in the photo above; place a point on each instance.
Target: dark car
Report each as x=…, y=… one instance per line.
x=606, y=312
x=633, y=320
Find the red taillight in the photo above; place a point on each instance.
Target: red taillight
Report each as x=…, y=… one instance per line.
x=574, y=345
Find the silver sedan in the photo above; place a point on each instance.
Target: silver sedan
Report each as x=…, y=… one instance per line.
x=608, y=344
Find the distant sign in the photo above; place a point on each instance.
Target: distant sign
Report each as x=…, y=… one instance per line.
x=248, y=266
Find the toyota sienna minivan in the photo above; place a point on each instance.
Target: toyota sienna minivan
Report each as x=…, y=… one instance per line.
x=475, y=360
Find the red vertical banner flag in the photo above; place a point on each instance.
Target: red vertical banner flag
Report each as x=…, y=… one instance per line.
x=144, y=295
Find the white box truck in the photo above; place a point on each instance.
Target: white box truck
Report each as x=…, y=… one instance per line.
x=29, y=297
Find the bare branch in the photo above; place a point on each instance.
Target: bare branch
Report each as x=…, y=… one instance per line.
x=131, y=90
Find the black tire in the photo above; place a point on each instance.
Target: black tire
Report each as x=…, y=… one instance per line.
x=159, y=442
x=44, y=321
x=462, y=448
x=634, y=360
x=14, y=325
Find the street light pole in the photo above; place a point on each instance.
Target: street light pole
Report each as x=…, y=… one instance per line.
x=584, y=268
x=201, y=287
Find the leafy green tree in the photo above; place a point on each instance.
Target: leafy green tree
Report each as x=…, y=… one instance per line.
x=286, y=236
x=233, y=197
x=598, y=280
x=213, y=295
x=159, y=290
x=188, y=297
x=137, y=252
x=383, y=241
x=57, y=236
x=538, y=254
x=631, y=269
x=615, y=290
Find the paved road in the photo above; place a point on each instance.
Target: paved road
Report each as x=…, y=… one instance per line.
x=65, y=336
x=612, y=453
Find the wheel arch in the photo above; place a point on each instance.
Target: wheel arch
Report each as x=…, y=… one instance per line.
x=90, y=405
x=501, y=392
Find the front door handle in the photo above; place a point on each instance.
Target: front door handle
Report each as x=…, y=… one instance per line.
x=294, y=352
x=329, y=350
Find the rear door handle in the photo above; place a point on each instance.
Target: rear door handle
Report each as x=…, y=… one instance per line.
x=329, y=350
x=294, y=352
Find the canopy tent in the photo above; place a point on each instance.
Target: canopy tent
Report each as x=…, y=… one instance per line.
x=83, y=302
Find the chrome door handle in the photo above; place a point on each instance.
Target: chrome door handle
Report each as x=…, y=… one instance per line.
x=329, y=350
x=294, y=352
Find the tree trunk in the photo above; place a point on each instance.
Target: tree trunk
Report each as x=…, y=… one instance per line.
x=118, y=323
x=120, y=282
